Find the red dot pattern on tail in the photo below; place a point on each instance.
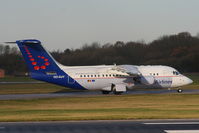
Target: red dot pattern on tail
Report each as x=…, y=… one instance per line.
x=34, y=62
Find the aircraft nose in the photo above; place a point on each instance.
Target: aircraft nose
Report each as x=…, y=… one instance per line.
x=188, y=80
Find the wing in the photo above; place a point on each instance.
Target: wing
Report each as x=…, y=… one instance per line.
x=128, y=70
x=132, y=71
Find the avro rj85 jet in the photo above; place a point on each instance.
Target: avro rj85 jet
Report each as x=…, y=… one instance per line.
x=106, y=78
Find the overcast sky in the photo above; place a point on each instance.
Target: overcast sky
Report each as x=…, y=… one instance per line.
x=62, y=24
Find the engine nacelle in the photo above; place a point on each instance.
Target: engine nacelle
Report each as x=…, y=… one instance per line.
x=147, y=80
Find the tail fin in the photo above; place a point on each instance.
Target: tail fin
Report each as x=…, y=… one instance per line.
x=36, y=57
x=41, y=64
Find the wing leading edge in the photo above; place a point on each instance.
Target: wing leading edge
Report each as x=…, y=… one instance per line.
x=129, y=70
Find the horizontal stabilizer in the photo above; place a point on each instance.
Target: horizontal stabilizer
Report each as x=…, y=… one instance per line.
x=10, y=42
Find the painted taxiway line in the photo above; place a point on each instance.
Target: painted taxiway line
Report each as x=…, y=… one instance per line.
x=181, y=131
x=173, y=123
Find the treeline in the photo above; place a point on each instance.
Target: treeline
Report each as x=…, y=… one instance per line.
x=180, y=51
x=11, y=60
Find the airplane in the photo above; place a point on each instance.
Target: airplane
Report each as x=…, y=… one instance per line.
x=106, y=78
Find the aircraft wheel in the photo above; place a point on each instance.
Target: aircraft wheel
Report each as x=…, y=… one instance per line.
x=179, y=90
x=118, y=93
x=105, y=92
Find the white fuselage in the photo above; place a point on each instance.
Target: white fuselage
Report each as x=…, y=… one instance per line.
x=99, y=77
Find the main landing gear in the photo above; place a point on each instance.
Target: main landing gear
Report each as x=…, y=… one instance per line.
x=105, y=92
x=115, y=92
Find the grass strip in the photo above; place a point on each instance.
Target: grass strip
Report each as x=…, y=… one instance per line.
x=156, y=106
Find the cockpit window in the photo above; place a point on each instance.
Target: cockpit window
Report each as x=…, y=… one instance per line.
x=176, y=73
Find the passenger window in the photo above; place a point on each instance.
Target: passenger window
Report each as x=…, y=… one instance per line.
x=106, y=75
x=84, y=75
x=87, y=75
x=109, y=75
x=80, y=75
x=91, y=75
x=98, y=75
x=177, y=73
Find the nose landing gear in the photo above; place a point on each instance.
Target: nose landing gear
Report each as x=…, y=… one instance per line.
x=179, y=90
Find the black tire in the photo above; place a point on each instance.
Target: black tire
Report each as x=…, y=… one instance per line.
x=179, y=90
x=105, y=92
x=118, y=93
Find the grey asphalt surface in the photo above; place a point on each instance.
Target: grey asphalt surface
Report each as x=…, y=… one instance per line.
x=88, y=93
x=131, y=126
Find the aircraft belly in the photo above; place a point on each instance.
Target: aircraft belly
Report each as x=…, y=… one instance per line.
x=98, y=84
